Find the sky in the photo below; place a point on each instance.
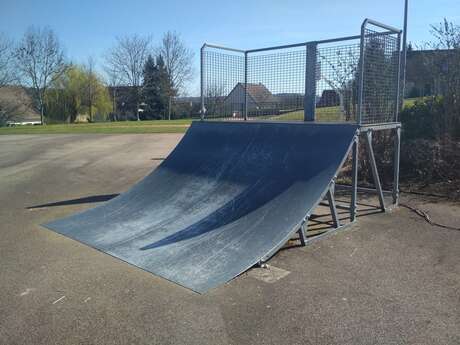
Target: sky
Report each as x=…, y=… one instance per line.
x=89, y=28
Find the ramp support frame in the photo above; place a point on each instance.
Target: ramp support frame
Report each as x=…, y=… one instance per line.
x=366, y=133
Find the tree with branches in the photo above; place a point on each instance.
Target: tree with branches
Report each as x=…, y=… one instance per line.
x=444, y=66
x=178, y=61
x=112, y=80
x=156, y=88
x=90, y=85
x=78, y=93
x=7, y=75
x=341, y=76
x=8, y=109
x=40, y=61
x=215, y=101
x=127, y=59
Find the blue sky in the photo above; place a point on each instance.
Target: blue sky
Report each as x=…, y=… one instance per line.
x=88, y=28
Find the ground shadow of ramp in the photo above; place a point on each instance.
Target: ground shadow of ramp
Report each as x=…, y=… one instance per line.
x=228, y=195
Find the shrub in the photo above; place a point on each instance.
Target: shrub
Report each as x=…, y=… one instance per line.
x=430, y=147
x=420, y=120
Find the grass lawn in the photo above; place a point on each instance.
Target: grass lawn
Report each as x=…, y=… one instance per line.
x=325, y=114
x=408, y=102
x=155, y=126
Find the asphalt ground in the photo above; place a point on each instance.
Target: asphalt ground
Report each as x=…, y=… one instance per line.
x=390, y=278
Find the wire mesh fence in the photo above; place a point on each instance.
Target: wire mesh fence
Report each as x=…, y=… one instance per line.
x=380, y=74
x=223, y=80
x=276, y=83
x=337, y=85
x=354, y=79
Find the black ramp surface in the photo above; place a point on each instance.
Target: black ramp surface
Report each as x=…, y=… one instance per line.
x=229, y=194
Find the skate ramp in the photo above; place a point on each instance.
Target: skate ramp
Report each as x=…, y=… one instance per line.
x=229, y=195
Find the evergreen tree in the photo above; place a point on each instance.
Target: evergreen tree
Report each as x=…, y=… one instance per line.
x=164, y=86
x=149, y=90
x=156, y=89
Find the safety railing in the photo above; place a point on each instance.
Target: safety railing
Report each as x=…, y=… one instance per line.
x=353, y=78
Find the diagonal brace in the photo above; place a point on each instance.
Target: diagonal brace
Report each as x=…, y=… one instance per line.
x=375, y=173
x=354, y=177
x=303, y=232
x=332, y=205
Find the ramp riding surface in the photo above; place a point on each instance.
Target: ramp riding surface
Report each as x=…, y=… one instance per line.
x=229, y=195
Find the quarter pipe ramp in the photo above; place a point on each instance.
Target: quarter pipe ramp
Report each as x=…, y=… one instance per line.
x=229, y=195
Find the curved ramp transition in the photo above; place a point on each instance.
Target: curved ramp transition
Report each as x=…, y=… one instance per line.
x=229, y=195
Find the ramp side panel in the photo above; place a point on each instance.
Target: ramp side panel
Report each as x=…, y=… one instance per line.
x=225, y=197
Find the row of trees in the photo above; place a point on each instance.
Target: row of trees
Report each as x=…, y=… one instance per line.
x=154, y=74
x=62, y=90
x=78, y=91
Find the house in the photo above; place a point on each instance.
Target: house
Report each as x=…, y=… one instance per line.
x=259, y=99
x=424, y=69
x=186, y=107
x=290, y=101
x=419, y=81
x=17, y=106
x=329, y=98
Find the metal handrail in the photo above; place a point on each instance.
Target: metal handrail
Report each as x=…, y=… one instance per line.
x=208, y=45
x=380, y=25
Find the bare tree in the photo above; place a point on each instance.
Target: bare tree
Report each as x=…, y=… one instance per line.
x=89, y=67
x=215, y=96
x=178, y=61
x=127, y=59
x=8, y=109
x=6, y=61
x=446, y=35
x=444, y=66
x=340, y=74
x=39, y=60
x=112, y=81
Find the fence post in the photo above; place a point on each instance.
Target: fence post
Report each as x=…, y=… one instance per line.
x=245, y=106
x=398, y=83
x=404, y=55
x=354, y=178
x=396, y=159
x=310, y=82
x=202, y=81
x=361, y=73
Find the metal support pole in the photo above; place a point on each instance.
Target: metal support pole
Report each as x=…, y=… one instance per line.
x=404, y=53
x=303, y=232
x=361, y=74
x=375, y=173
x=245, y=105
x=396, y=166
x=310, y=82
x=333, y=185
x=332, y=206
x=202, y=81
x=398, y=103
x=354, y=179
